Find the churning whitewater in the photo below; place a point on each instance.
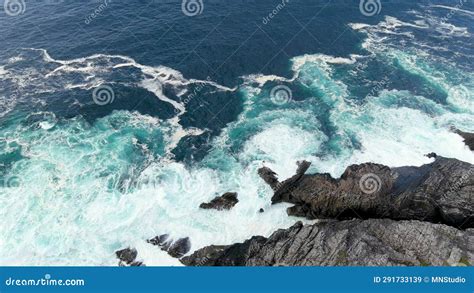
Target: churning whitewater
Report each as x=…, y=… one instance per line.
x=78, y=185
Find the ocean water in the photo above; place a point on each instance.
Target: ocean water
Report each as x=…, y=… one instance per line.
x=117, y=119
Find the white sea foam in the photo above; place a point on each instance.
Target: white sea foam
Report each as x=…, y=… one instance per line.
x=262, y=79
x=70, y=207
x=299, y=61
x=358, y=26
x=81, y=192
x=384, y=128
x=91, y=71
x=378, y=35
x=399, y=136
x=3, y=71
x=454, y=9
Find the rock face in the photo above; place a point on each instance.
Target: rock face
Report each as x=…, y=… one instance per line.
x=224, y=202
x=468, y=138
x=373, y=242
x=440, y=192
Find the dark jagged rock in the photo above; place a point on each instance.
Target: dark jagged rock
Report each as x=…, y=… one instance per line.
x=282, y=188
x=224, y=202
x=205, y=256
x=127, y=257
x=440, y=192
x=269, y=177
x=176, y=248
x=431, y=155
x=159, y=240
x=283, y=191
x=261, y=210
x=468, y=138
x=180, y=247
x=373, y=242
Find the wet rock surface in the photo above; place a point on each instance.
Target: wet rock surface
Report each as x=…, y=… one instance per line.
x=373, y=242
x=468, y=138
x=440, y=192
x=224, y=202
x=175, y=249
x=127, y=257
x=180, y=247
x=372, y=215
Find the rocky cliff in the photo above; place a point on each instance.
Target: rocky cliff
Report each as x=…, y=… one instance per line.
x=374, y=215
x=373, y=242
x=440, y=192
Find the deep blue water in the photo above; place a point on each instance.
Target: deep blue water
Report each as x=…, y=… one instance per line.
x=193, y=111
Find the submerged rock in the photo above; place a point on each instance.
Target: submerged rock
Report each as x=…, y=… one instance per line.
x=440, y=192
x=223, y=202
x=373, y=242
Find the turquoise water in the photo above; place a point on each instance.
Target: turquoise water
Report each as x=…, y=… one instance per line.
x=80, y=181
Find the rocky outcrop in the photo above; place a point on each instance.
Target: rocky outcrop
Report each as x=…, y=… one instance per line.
x=373, y=242
x=468, y=138
x=372, y=215
x=283, y=190
x=127, y=257
x=176, y=248
x=223, y=202
x=180, y=247
x=160, y=240
x=440, y=192
x=269, y=177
